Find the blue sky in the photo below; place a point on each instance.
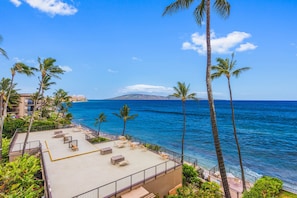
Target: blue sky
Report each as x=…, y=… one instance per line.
x=115, y=47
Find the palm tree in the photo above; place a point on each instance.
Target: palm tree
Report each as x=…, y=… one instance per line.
x=203, y=8
x=47, y=70
x=226, y=67
x=17, y=68
x=4, y=86
x=61, y=101
x=181, y=91
x=101, y=118
x=2, y=51
x=124, y=114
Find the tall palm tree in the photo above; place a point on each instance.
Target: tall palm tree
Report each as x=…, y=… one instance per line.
x=101, y=118
x=47, y=70
x=226, y=67
x=17, y=68
x=2, y=51
x=4, y=86
x=203, y=8
x=124, y=114
x=182, y=92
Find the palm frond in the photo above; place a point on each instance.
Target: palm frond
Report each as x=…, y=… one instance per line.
x=176, y=6
x=199, y=12
x=222, y=7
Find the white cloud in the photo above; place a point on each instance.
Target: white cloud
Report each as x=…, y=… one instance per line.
x=220, y=45
x=112, y=71
x=52, y=7
x=66, y=68
x=245, y=47
x=136, y=58
x=17, y=3
x=151, y=89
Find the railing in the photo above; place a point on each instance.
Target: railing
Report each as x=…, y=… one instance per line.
x=13, y=139
x=127, y=183
x=18, y=147
x=48, y=193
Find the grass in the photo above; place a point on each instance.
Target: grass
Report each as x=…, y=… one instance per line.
x=285, y=194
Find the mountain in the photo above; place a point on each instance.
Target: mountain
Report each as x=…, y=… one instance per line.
x=142, y=97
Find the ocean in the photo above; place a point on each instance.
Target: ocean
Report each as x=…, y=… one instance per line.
x=267, y=131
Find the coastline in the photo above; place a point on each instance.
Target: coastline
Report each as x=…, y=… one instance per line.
x=159, y=123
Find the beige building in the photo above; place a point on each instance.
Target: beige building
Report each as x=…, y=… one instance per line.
x=24, y=108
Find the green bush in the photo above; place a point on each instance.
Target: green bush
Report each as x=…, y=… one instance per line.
x=190, y=176
x=265, y=187
x=209, y=189
x=5, y=149
x=10, y=125
x=18, y=178
x=97, y=140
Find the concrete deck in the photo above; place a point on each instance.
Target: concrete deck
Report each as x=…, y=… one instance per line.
x=74, y=172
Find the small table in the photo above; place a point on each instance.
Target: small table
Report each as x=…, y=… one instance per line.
x=116, y=159
x=106, y=150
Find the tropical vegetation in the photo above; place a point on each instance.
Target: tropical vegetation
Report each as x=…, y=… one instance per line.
x=47, y=70
x=226, y=67
x=202, y=9
x=124, y=115
x=265, y=187
x=19, y=178
x=101, y=118
x=194, y=187
x=182, y=92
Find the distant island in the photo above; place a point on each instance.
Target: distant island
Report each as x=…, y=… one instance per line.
x=142, y=97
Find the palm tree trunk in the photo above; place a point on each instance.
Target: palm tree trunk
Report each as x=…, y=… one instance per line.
x=1, y=124
x=8, y=97
x=236, y=139
x=212, y=107
x=124, y=129
x=184, y=131
x=4, y=113
x=31, y=119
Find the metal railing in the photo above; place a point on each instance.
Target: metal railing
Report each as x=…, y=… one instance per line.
x=48, y=193
x=127, y=183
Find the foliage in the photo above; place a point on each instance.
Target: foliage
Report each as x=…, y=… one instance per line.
x=190, y=176
x=184, y=192
x=17, y=178
x=5, y=150
x=10, y=126
x=97, y=140
x=209, y=189
x=265, y=187
x=152, y=147
x=124, y=115
x=101, y=118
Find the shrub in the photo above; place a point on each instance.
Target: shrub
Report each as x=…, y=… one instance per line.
x=5, y=149
x=265, y=187
x=18, y=178
x=209, y=189
x=97, y=140
x=190, y=176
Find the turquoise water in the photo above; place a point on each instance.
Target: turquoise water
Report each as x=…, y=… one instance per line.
x=267, y=131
